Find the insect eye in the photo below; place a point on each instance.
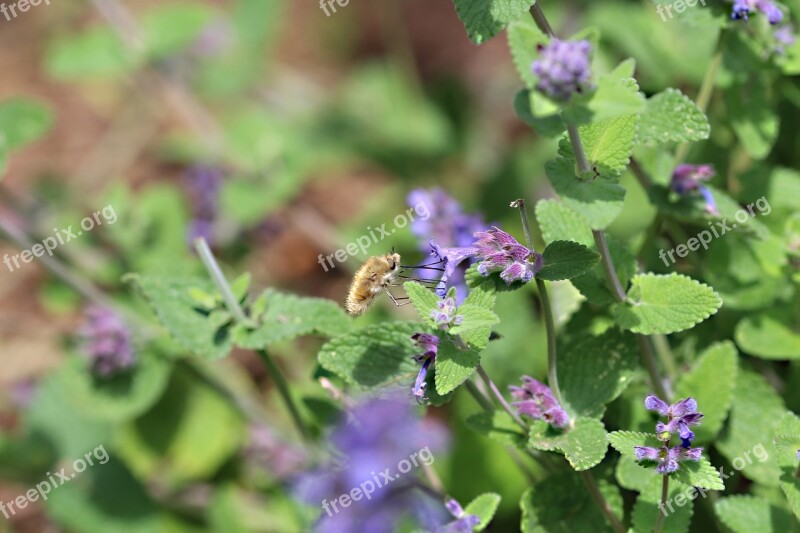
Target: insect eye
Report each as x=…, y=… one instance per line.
x=392, y=263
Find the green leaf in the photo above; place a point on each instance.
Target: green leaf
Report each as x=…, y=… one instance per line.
x=699, y=474
x=454, y=366
x=22, y=121
x=376, y=356
x=524, y=37
x=598, y=201
x=484, y=19
x=584, y=445
x=755, y=413
x=608, y=144
x=119, y=397
x=287, y=316
x=633, y=476
x=615, y=96
x=750, y=110
x=484, y=507
x=646, y=509
x=671, y=117
x=95, y=53
x=745, y=514
x=666, y=304
x=566, y=260
x=477, y=325
x=787, y=443
x=561, y=504
x=768, y=337
x=169, y=29
x=625, y=442
x=171, y=300
x=498, y=426
x=711, y=383
x=594, y=370
x=424, y=300
x=186, y=437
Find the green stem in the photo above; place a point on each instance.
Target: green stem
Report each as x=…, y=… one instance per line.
x=608, y=265
x=652, y=368
x=485, y=403
x=663, y=514
x=665, y=355
x=236, y=310
x=526, y=225
x=552, y=356
x=541, y=20
x=500, y=399
x=601, y=501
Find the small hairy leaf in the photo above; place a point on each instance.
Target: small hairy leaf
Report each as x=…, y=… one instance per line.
x=767, y=337
x=745, y=514
x=672, y=117
x=454, y=366
x=584, y=445
x=666, y=304
x=484, y=19
x=566, y=260
x=484, y=507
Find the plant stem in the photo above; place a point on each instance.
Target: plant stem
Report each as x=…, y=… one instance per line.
x=608, y=265
x=216, y=274
x=236, y=310
x=499, y=397
x=652, y=368
x=485, y=404
x=552, y=356
x=577, y=148
x=541, y=20
x=601, y=501
x=526, y=225
x=663, y=514
x=665, y=355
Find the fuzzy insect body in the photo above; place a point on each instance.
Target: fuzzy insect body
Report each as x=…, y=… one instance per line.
x=372, y=278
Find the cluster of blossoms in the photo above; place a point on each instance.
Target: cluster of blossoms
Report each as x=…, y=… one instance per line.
x=430, y=347
x=688, y=178
x=373, y=438
x=680, y=417
x=447, y=224
x=742, y=9
x=536, y=401
x=497, y=251
x=106, y=342
x=563, y=68
x=445, y=315
x=202, y=185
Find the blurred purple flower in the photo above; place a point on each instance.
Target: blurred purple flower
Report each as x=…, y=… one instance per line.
x=784, y=38
x=742, y=9
x=106, y=342
x=500, y=252
x=444, y=315
x=267, y=451
x=687, y=178
x=430, y=346
x=536, y=401
x=446, y=224
x=379, y=434
x=668, y=458
x=202, y=185
x=563, y=68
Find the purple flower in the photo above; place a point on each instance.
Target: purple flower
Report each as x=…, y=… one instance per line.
x=430, y=346
x=440, y=218
x=202, y=185
x=450, y=259
x=106, y=342
x=444, y=315
x=687, y=178
x=668, y=458
x=537, y=402
x=500, y=252
x=742, y=9
x=681, y=415
x=375, y=438
x=563, y=68
x=464, y=523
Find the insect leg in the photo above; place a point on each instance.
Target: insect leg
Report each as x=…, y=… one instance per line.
x=395, y=300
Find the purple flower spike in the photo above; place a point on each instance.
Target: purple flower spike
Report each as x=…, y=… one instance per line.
x=537, y=402
x=742, y=9
x=499, y=251
x=451, y=258
x=654, y=403
x=668, y=458
x=106, y=342
x=444, y=316
x=563, y=68
x=430, y=346
x=464, y=523
x=681, y=414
